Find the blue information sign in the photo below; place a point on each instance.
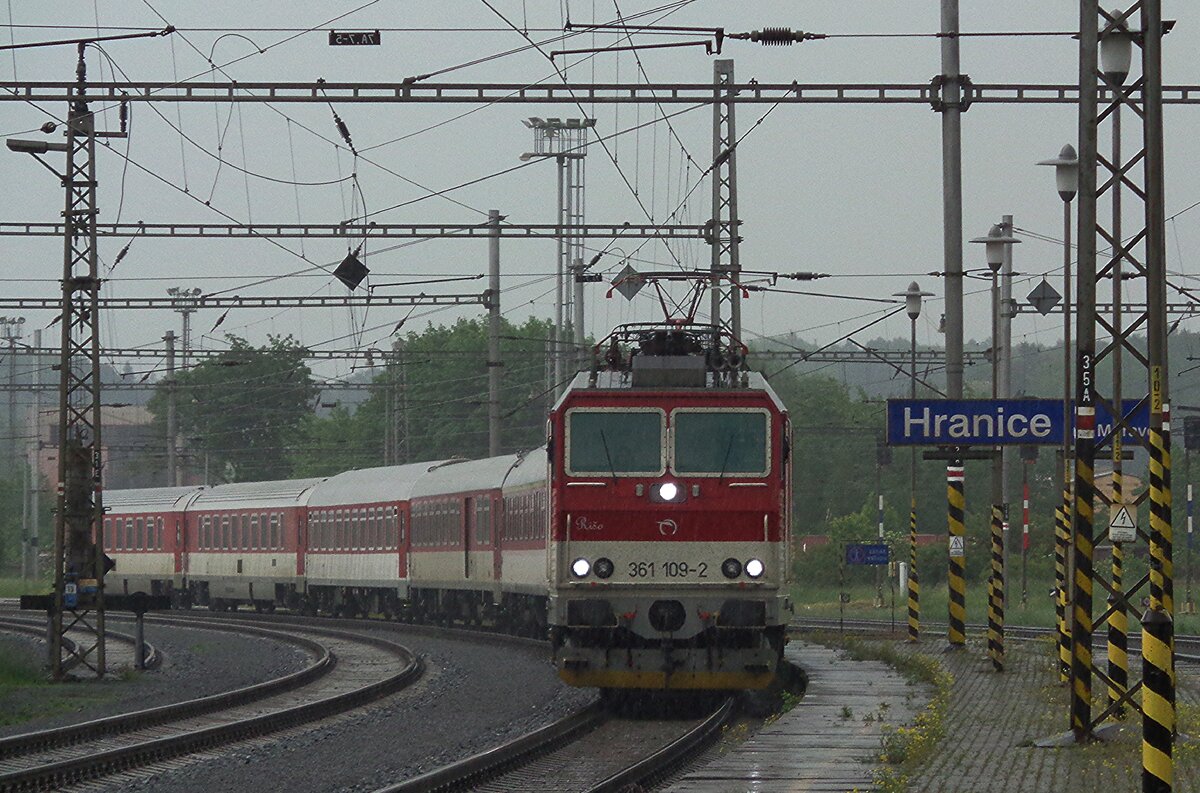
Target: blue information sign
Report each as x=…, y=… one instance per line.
x=859, y=553
x=995, y=422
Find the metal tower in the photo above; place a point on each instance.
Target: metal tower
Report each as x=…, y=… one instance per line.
x=723, y=233
x=1136, y=267
x=78, y=606
x=566, y=141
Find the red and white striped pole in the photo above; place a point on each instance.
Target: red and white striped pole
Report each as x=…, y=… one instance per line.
x=1024, y=534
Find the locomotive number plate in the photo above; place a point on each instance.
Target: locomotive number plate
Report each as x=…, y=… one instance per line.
x=667, y=570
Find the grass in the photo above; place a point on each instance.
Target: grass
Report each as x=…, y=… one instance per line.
x=15, y=586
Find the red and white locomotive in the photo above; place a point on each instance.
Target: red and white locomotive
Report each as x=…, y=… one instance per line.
x=669, y=523
x=650, y=537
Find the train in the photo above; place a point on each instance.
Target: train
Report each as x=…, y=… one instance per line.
x=649, y=539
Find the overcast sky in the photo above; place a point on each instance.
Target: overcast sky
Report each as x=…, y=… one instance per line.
x=853, y=191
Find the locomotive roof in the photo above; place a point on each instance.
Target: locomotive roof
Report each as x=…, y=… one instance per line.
x=370, y=485
x=459, y=477
x=256, y=495
x=621, y=381
x=149, y=499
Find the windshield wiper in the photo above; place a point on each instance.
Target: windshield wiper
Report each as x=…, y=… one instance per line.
x=612, y=468
x=725, y=462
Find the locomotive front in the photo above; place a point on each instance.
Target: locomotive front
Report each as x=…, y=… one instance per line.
x=670, y=527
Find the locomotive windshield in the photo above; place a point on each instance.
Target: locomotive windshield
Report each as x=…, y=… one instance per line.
x=720, y=443
x=614, y=442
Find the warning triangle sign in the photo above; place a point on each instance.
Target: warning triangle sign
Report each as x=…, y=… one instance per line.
x=1121, y=525
x=1121, y=519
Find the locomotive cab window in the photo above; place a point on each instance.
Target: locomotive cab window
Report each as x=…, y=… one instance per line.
x=720, y=442
x=614, y=442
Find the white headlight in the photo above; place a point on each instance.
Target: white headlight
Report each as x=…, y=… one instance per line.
x=580, y=567
x=667, y=491
x=754, y=568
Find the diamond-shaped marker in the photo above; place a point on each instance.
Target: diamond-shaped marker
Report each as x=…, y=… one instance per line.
x=628, y=282
x=1044, y=297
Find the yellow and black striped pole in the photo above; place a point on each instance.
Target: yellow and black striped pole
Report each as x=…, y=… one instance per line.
x=1158, y=709
x=1118, y=638
x=996, y=591
x=1084, y=551
x=1061, y=544
x=956, y=632
x=914, y=584
x=1118, y=618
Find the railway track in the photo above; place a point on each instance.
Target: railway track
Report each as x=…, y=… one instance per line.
x=592, y=750
x=34, y=627
x=1187, y=647
x=350, y=670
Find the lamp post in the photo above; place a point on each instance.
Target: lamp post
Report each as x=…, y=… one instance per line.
x=997, y=246
x=565, y=140
x=1066, y=178
x=912, y=305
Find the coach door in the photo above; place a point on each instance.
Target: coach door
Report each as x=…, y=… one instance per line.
x=468, y=524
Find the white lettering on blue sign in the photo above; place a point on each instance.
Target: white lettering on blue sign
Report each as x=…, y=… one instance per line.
x=980, y=426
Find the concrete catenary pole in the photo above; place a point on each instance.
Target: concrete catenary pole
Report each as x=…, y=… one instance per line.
x=950, y=108
x=35, y=477
x=493, y=363
x=172, y=416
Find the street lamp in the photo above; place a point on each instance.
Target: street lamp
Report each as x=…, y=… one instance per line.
x=1116, y=51
x=997, y=244
x=912, y=305
x=1066, y=178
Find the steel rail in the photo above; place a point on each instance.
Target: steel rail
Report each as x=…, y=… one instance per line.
x=38, y=628
x=463, y=774
x=644, y=774
x=105, y=762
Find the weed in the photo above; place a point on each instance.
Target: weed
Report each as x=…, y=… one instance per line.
x=846, y=712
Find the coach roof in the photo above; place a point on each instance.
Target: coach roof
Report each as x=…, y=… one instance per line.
x=149, y=499
x=465, y=476
x=257, y=495
x=370, y=485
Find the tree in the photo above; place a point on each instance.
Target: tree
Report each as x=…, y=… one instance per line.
x=433, y=391
x=243, y=408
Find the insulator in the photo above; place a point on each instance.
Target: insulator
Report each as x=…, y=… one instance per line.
x=782, y=37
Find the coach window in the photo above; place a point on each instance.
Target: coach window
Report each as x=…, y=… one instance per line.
x=720, y=442
x=158, y=534
x=389, y=527
x=612, y=442
x=376, y=527
x=276, y=523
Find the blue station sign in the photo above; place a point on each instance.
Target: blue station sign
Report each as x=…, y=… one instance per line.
x=864, y=554
x=995, y=422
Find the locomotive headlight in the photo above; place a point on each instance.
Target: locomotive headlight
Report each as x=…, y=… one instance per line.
x=604, y=567
x=667, y=491
x=581, y=567
x=731, y=568
x=754, y=568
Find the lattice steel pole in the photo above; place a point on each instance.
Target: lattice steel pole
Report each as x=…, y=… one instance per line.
x=726, y=267
x=78, y=524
